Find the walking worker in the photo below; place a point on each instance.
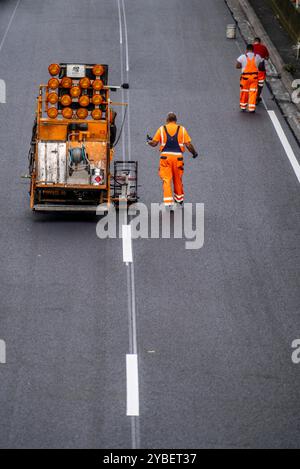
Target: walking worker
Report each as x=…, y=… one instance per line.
x=249, y=63
x=261, y=49
x=173, y=140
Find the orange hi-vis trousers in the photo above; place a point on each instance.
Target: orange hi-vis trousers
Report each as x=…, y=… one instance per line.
x=261, y=78
x=249, y=89
x=171, y=170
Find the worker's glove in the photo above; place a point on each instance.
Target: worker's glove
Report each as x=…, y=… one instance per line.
x=195, y=155
x=149, y=139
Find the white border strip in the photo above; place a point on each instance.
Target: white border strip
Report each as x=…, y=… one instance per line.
x=126, y=37
x=285, y=143
x=120, y=22
x=9, y=24
x=2, y=351
x=132, y=382
x=127, y=243
x=122, y=77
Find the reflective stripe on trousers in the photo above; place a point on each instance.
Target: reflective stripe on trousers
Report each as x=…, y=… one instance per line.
x=248, y=91
x=171, y=169
x=261, y=78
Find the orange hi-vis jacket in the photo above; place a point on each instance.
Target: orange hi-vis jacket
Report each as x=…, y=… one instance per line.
x=161, y=137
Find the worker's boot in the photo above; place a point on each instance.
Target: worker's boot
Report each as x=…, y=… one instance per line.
x=259, y=91
x=180, y=204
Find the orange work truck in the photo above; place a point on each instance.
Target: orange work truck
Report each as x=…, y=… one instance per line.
x=72, y=145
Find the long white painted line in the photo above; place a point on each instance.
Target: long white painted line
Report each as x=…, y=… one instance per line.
x=285, y=143
x=132, y=382
x=126, y=37
x=122, y=77
x=127, y=79
x=131, y=358
x=127, y=244
x=133, y=311
x=9, y=24
x=128, y=126
x=120, y=22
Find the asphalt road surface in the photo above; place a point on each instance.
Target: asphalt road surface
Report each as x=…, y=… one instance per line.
x=215, y=325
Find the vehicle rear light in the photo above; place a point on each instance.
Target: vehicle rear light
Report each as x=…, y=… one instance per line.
x=53, y=83
x=82, y=113
x=66, y=100
x=54, y=69
x=66, y=82
x=52, y=98
x=84, y=100
x=75, y=91
x=97, y=85
x=52, y=112
x=67, y=113
x=97, y=99
x=85, y=83
x=98, y=70
x=96, y=114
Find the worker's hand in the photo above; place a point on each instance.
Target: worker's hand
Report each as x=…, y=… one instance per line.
x=149, y=139
x=195, y=155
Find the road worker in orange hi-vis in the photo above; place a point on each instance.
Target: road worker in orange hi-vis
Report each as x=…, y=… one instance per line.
x=261, y=49
x=249, y=63
x=173, y=140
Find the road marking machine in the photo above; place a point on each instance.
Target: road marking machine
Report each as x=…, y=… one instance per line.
x=73, y=140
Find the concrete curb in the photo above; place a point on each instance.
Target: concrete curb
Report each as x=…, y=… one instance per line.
x=279, y=80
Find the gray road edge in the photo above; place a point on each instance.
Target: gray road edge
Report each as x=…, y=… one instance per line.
x=279, y=80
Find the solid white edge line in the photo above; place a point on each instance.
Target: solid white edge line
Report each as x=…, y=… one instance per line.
x=126, y=37
x=127, y=243
x=285, y=143
x=120, y=22
x=9, y=24
x=122, y=77
x=132, y=385
x=127, y=72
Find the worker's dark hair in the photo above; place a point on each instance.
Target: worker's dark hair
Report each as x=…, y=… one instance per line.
x=249, y=47
x=257, y=39
x=171, y=117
